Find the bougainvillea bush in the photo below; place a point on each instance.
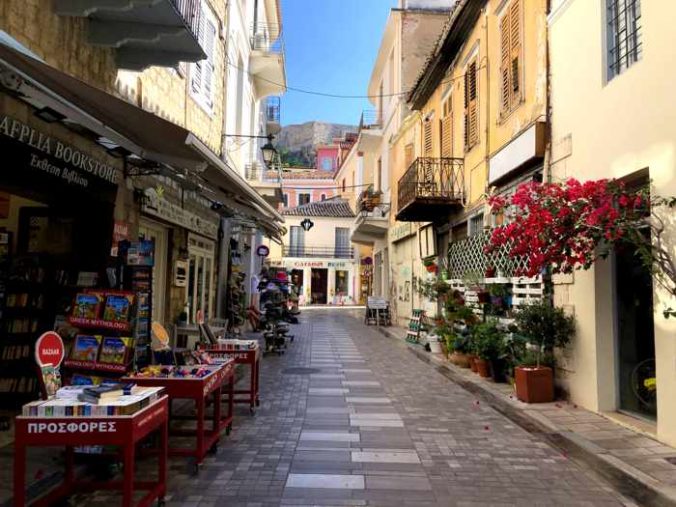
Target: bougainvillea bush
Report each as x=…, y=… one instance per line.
x=567, y=226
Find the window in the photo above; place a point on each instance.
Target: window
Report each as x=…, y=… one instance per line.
x=323, y=197
x=427, y=136
x=510, y=51
x=471, y=107
x=446, y=128
x=381, y=94
x=343, y=185
x=303, y=199
x=476, y=224
x=409, y=154
x=201, y=269
x=327, y=163
x=202, y=75
x=378, y=175
x=624, y=35
x=342, y=243
x=285, y=200
x=296, y=241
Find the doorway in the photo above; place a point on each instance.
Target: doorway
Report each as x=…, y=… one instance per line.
x=155, y=232
x=635, y=334
x=318, y=286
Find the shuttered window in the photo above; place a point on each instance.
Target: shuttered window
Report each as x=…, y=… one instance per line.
x=471, y=106
x=510, y=56
x=202, y=75
x=427, y=137
x=446, y=128
x=409, y=154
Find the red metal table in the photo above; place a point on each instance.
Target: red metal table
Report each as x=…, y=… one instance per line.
x=200, y=390
x=69, y=432
x=252, y=357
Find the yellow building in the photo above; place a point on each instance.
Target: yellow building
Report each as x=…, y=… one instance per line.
x=613, y=117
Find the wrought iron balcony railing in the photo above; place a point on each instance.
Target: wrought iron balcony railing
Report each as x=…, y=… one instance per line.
x=428, y=185
x=272, y=109
x=337, y=252
x=267, y=37
x=371, y=119
x=189, y=10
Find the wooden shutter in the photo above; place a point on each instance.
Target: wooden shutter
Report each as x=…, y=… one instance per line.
x=446, y=129
x=515, y=51
x=196, y=77
x=427, y=135
x=408, y=155
x=471, y=106
x=208, y=67
x=505, y=67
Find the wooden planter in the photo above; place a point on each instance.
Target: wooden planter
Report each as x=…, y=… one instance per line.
x=533, y=384
x=482, y=367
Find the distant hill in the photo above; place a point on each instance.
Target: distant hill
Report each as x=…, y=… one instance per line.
x=296, y=143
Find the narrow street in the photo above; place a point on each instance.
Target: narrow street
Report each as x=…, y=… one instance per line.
x=349, y=417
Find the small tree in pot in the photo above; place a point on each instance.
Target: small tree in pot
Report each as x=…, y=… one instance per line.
x=489, y=345
x=545, y=327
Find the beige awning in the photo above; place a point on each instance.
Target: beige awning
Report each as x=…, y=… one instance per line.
x=123, y=124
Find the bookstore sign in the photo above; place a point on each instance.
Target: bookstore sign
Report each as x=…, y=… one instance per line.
x=156, y=205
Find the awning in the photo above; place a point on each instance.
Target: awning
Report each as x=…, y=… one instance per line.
x=142, y=133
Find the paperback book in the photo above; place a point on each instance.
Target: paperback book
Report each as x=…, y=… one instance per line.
x=115, y=350
x=117, y=307
x=86, y=347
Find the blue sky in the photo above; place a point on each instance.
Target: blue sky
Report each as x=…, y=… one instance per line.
x=330, y=47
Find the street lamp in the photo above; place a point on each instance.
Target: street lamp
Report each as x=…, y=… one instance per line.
x=268, y=150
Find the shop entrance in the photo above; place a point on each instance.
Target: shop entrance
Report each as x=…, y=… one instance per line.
x=153, y=231
x=319, y=285
x=297, y=281
x=635, y=334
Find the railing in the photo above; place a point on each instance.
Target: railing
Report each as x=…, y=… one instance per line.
x=272, y=109
x=258, y=172
x=190, y=12
x=431, y=179
x=267, y=37
x=370, y=119
x=337, y=252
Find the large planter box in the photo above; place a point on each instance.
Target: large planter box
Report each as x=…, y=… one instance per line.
x=533, y=384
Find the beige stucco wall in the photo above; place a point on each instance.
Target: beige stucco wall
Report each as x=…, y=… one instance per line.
x=613, y=129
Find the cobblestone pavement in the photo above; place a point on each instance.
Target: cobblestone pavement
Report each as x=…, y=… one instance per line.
x=348, y=417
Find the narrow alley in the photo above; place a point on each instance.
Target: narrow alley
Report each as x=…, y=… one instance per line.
x=350, y=417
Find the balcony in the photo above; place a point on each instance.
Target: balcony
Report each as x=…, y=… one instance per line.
x=370, y=120
x=272, y=115
x=430, y=189
x=372, y=219
x=268, y=183
x=163, y=32
x=323, y=252
x=267, y=60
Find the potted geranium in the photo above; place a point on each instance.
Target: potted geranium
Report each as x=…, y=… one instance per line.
x=545, y=327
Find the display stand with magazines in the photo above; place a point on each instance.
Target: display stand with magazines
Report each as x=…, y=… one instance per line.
x=204, y=384
x=104, y=346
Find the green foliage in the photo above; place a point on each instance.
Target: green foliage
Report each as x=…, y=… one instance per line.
x=488, y=340
x=545, y=326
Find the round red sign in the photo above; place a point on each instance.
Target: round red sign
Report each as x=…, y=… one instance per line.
x=49, y=349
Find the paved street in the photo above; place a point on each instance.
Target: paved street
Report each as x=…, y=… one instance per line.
x=348, y=417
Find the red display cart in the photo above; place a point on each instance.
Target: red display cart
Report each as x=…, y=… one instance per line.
x=252, y=357
x=122, y=431
x=200, y=390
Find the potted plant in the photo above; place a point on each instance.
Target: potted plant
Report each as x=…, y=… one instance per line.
x=489, y=346
x=545, y=327
x=459, y=344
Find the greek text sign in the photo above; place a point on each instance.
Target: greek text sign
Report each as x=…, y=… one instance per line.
x=73, y=427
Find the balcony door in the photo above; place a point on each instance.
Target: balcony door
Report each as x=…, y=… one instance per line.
x=342, y=243
x=297, y=241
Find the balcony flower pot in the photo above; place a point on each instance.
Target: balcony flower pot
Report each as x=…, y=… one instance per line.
x=460, y=359
x=534, y=384
x=482, y=367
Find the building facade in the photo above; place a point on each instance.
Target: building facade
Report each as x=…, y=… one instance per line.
x=616, y=126
x=318, y=252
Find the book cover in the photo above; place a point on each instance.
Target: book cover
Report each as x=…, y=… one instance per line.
x=51, y=379
x=86, y=347
x=87, y=306
x=117, y=307
x=104, y=391
x=114, y=350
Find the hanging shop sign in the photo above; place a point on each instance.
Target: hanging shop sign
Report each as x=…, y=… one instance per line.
x=48, y=156
x=156, y=205
x=289, y=263
x=49, y=349
x=262, y=251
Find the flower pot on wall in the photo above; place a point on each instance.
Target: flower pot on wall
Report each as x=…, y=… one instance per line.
x=534, y=384
x=482, y=367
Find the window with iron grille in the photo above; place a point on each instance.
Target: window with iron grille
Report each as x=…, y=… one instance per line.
x=476, y=224
x=624, y=35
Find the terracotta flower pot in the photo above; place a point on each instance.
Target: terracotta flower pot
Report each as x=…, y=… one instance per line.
x=533, y=384
x=483, y=368
x=460, y=359
x=472, y=363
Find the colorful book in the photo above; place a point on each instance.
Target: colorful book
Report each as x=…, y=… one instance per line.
x=51, y=379
x=117, y=307
x=86, y=347
x=87, y=306
x=114, y=350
